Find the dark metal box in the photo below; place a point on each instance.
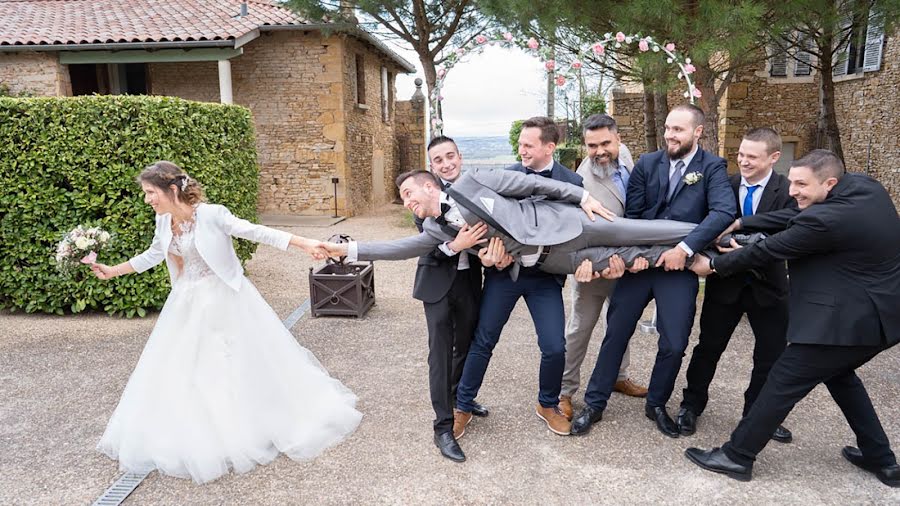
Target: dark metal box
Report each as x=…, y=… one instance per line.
x=342, y=289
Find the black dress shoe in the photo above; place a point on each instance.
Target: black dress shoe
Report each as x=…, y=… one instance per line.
x=664, y=422
x=716, y=461
x=741, y=239
x=479, y=410
x=581, y=424
x=449, y=447
x=686, y=421
x=782, y=435
x=889, y=475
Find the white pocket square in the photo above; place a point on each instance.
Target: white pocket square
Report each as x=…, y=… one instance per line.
x=488, y=204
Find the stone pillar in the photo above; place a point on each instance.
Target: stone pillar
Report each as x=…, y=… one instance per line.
x=410, y=131
x=225, y=93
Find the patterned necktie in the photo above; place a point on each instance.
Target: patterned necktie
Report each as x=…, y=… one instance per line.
x=748, y=200
x=674, y=178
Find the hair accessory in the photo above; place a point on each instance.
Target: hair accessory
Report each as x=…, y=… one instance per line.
x=184, y=182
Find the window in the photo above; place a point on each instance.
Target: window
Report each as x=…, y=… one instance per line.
x=788, y=150
x=862, y=54
x=386, y=93
x=109, y=79
x=360, y=89
x=794, y=62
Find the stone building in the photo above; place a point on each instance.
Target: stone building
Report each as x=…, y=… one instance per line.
x=782, y=93
x=322, y=96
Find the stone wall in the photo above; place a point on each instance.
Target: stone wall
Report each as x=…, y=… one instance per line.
x=868, y=114
x=627, y=108
x=371, y=151
x=291, y=81
x=37, y=73
x=410, y=133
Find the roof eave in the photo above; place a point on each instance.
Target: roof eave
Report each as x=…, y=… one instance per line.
x=112, y=46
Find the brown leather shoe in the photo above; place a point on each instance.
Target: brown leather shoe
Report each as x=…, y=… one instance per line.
x=565, y=405
x=460, y=420
x=556, y=421
x=630, y=388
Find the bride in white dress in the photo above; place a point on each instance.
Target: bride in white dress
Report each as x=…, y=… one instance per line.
x=221, y=383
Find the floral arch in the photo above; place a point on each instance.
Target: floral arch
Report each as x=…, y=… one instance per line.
x=562, y=75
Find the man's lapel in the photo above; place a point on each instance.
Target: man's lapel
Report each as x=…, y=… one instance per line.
x=608, y=183
x=768, y=195
x=695, y=166
x=663, y=174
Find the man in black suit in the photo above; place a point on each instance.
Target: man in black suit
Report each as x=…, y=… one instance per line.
x=843, y=253
x=449, y=286
x=761, y=296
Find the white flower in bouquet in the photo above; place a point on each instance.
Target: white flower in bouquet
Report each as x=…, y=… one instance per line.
x=82, y=242
x=80, y=246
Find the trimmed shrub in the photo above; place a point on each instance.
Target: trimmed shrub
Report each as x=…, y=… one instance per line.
x=73, y=161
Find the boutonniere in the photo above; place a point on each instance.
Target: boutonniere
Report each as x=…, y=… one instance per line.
x=692, y=178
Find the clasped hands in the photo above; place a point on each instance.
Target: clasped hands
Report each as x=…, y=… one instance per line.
x=701, y=265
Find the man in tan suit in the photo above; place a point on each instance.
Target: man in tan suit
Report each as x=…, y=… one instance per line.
x=605, y=171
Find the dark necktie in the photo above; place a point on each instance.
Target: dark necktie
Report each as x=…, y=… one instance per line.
x=674, y=178
x=748, y=200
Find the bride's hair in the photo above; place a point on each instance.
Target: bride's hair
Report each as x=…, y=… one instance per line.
x=163, y=175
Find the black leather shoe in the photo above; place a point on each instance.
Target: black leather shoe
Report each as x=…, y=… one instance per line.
x=479, y=410
x=716, y=461
x=581, y=424
x=664, y=422
x=686, y=422
x=742, y=239
x=449, y=447
x=889, y=475
x=782, y=435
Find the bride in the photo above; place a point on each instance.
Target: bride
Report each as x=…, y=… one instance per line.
x=221, y=384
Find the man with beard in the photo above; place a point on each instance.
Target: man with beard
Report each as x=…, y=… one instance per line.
x=605, y=171
x=685, y=183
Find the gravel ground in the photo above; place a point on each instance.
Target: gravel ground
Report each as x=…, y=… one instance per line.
x=62, y=376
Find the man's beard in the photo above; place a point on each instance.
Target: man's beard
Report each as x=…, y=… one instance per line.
x=603, y=170
x=681, y=151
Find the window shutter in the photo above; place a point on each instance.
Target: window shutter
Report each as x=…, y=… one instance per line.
x=777, y=62
x=874, y=43
x=803, y=63
x=841, y=59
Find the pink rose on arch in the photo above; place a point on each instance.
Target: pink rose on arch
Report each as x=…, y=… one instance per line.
x=550, y=65
x=532, y=43
x=620, y=37
x=689, y=69
x=441, y=73
x=508, y=36
x=481, y=39
x=670, y=47
x=460, y=51
x=697, y=93
x=560, y=80
x=643, y=46
x=598, y=48
x=577, y=64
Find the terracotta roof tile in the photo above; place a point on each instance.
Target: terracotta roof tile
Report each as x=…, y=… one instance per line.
x=53, y=22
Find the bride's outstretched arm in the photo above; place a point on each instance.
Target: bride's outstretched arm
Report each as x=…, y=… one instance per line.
x=314, y=248
x=103, y=271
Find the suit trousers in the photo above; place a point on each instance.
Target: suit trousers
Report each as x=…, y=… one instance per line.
x=676, y=302
x=796, y=372
x=543, y=296
x=717, y=323
x=451, y=323
x=587, y=306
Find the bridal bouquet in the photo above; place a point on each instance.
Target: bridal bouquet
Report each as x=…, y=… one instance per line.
x=80, y=246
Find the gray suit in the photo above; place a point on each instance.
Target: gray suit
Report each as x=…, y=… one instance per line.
x=528, y=211
x=588, y=298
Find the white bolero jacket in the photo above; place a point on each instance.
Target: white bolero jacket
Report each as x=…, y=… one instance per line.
x=213, y=231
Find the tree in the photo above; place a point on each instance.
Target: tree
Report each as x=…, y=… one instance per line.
x=430, y=27
x=721, y=37
x=838, y=34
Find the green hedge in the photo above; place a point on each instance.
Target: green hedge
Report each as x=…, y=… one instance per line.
x=70, y=161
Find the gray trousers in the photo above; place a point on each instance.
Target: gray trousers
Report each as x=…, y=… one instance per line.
x=587, y=306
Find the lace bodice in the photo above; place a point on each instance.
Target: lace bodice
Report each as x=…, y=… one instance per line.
x=183, y=246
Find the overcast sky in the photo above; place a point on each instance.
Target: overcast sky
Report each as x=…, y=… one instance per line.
x=486, y=92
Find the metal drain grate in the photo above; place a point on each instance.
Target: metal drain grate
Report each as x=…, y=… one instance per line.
x=119, y=490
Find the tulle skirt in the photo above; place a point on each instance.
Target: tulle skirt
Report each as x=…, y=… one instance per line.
x=221, y=384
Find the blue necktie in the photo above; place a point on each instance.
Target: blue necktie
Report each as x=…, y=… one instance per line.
x=620, y=178
x=748, y=200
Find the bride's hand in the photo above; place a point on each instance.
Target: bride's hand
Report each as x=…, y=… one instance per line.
x=314, y=248
x=103, y=271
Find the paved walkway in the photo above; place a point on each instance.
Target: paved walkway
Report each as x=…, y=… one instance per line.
x=60, y=378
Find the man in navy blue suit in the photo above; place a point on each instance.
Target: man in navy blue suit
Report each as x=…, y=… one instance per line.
x=685, y=183
x=542, y=293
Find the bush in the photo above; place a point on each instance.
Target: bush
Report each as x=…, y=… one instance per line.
x=568, y=155
x=514, y=130
x=73, y=161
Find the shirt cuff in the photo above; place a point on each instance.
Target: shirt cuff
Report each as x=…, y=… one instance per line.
x=352, y=251
x=445, y=248
x=687, y=249
x=584, y=197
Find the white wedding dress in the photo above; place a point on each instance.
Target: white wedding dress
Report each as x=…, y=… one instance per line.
x=221, y=384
